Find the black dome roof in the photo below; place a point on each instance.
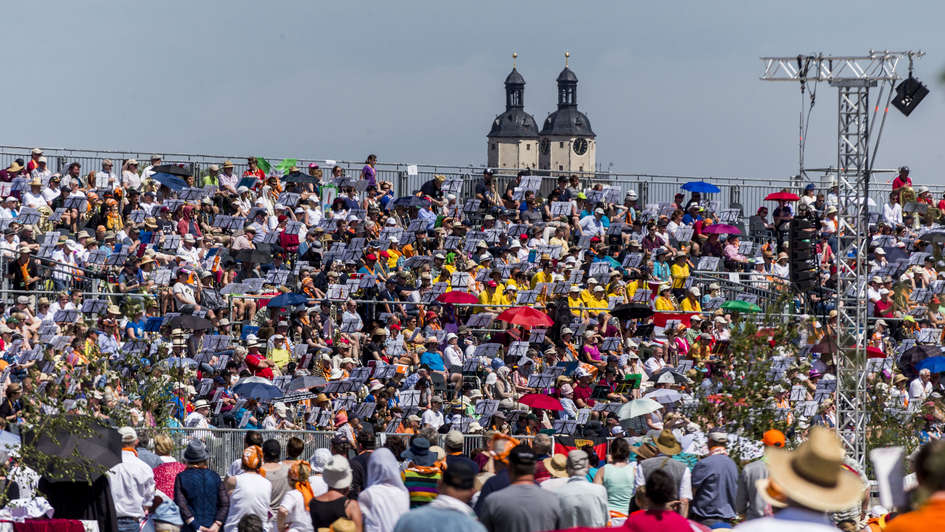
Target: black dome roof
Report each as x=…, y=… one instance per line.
x=514, y=123
x=567, y=122
x=567, y=75
x=514, y=78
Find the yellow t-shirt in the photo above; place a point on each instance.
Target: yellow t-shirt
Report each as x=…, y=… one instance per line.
x=680, y=273
x=577, y=306
x=540, y=277
x=485, y=298
x=663, y=303
x=691, y=305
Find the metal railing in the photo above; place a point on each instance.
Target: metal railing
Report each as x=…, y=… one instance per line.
x=746, y=193
x=226, y=445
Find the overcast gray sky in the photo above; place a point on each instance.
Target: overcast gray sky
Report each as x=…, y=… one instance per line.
x=669, y=87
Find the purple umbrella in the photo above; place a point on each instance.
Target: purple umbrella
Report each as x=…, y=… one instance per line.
x=721, y=229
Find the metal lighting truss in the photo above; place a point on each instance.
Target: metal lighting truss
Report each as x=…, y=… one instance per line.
x=853, y=77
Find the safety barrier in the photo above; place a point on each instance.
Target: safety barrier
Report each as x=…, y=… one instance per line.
x=226, y=445
x=744, y=193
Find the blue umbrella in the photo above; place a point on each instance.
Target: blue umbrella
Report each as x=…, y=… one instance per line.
x=258, y=388
x=702, y=187
x=172, y=182
x=934, y=364
x=287, y=300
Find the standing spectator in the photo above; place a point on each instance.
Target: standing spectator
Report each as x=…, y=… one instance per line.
x=582, y=503
x=450, y=511
x=294, y=508
x=250, y=492
x=385, y=499
x=421, y=476
x=368, y=172
x=255, y=171
x=522, y=506
x=149, y=170
x=276, y=473
x=668, y=447
x=749, y=501
x=334, y=504
x=199, y=492
x=132, y=484
x=715, y=485
x=618, y=478
x=903, y=179
x=931, y=477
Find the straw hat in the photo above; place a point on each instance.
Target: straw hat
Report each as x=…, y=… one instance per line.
x=557, y=465
x=813, y=474
x=667, y=444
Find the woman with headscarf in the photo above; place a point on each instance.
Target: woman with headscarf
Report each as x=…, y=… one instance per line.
x=249, y=492
x=294, y=510
x=187, y=225
x=385, y=499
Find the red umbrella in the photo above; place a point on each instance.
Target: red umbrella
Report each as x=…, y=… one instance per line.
x=457, y=297
x=722, y=229
x=875, y=352
x=779, y=196
x=526, y=317
x=541, y=401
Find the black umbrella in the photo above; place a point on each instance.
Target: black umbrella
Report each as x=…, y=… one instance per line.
x=189, y=321
x=251, y=255
x=678, y=378
x=306, y=381
x=64, y=456
x=914, y=355
x=299, y=177
x=172, y=169
x=410, y=201
x=632, y=311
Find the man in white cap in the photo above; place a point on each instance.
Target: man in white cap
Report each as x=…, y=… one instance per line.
x=198, y=418
x=582, y=503
x=715, y=485
x=593, y=224
x=132, y=484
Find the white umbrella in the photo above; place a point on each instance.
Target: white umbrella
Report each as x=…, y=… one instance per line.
x=637, y=407
x=664, y=395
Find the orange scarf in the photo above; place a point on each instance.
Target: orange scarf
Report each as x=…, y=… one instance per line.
x=299, y=473
x=24, y=271
x=130, y=450
x=253, y=459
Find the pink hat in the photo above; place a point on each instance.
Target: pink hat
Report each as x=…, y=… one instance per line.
x=312, y=165
x=341, y=418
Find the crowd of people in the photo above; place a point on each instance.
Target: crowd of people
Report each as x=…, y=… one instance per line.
x=421, y=327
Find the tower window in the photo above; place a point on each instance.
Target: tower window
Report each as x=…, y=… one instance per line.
x=580, y=168
x=528, y=147
x=494, y=146
x=560, y=167
x=561, y=144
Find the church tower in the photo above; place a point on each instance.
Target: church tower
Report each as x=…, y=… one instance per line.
x=513, y=140
x=566, y=140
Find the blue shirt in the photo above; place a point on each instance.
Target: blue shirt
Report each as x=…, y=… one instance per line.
x=433, y=360
x=714, y=488
x=434, y=519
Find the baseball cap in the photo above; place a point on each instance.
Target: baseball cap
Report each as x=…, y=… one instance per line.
x=773, y=438
x=522, y=455
x=460, y=473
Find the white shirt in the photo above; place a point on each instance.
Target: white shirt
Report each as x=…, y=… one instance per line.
x=432, y=418
x=299, y=519
x=132, y=485
x=196, y=420
x=454, y=355
x=50, y=194
x=919, y=391
x=892, y=214
x=590, y=225
x=36, y=201
x=131, y=179
x=653, y=364
x=105, y=179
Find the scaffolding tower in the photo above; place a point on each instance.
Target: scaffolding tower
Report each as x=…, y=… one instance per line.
x=853, y=76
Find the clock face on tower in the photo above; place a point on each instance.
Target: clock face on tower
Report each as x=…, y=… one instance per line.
x=580, y=146
x=544, y=146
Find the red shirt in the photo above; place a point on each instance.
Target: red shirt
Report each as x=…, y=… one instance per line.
x=662, y=520
x=584, y=392
x=254, y=361
x=883, y=309
x=899, y=182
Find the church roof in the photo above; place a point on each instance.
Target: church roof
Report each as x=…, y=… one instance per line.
x=514, y=122
x=514, y=78
x=567, y=122
x=567, y=75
